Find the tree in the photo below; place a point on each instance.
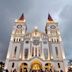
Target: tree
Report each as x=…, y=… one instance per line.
x=1, y=69
x=1, y=66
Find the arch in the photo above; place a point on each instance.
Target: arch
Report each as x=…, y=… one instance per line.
x=23, y=67
x=48, y=66
x=25, y=63
x=36, y=65
x=58, y=65
x=13, y=65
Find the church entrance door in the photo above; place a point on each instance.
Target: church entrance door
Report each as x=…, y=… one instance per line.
x=36, y=66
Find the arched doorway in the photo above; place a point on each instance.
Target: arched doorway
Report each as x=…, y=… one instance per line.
x=23, y=67
x=36, y=66
x=48, y=67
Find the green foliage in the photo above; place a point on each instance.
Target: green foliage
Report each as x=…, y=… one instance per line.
x=1, y=69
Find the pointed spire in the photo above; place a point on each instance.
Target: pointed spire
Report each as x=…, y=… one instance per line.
x=49, y=18
x=21, y=17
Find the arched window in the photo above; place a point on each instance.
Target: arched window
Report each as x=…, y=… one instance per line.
x=32, y=51
x=58, y=65
x=15, y=50
x=26, y=42
x=56, y=49
x=23, y=67
x=14, y=39
x=12, y=65
x=35, y=51
x=46, y=64
x=26, y=53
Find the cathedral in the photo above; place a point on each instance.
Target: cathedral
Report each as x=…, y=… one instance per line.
x=35, y=51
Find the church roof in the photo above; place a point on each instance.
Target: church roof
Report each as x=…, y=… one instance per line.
x=49, y=18
x=21, y=17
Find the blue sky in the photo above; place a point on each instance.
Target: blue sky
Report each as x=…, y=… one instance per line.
x=36, y=12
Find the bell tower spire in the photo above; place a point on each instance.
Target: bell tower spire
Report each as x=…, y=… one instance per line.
x=50, y=21
x=21, y=23
x=21, y=17
x=49, y=18
x=56, y=50
x=21, y=20
x=17, y=37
